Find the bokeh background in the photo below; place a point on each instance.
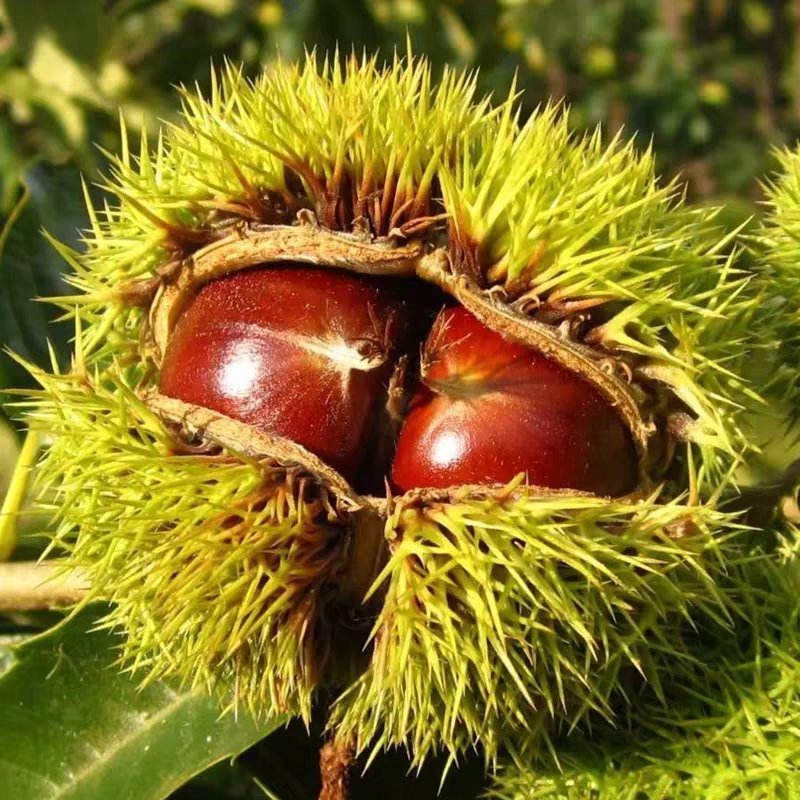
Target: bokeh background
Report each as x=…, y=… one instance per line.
x=713, y=82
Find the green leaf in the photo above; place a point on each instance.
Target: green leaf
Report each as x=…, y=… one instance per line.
x=12, y=164
x=30, y=268
x=73, y=727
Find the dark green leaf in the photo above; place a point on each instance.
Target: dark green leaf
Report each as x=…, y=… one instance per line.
x=31, y=268
x=11, y=167
x=72, y=727
x=223, y=781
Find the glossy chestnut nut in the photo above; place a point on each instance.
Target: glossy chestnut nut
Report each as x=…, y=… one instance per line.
x=488, y=409
x=303, y=353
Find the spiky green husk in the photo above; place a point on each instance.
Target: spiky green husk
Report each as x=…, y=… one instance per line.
x=552, y=218
x=498, y=616
x=777, y=247
x=217, y=567
x=507, y=619
x=728, y=728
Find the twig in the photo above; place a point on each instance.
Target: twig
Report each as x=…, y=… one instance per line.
x=28, y=586
x=336, y=759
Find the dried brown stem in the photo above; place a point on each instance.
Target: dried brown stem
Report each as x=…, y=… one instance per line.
x=336, y=760
x=29, y=586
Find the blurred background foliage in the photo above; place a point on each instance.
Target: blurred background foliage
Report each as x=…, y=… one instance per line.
x=712, y=82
